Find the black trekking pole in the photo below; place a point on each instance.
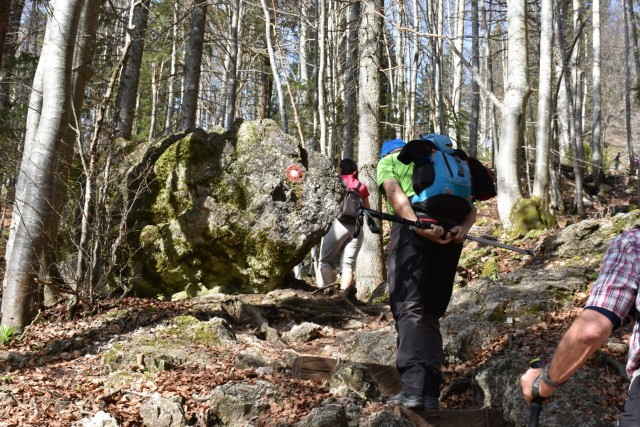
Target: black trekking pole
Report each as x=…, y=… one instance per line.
x=536, y=405
x=500, y=245
x=421, y=224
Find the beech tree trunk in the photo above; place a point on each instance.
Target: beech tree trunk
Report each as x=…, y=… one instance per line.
x=350, y=82
x=457, y=68
x=192, y=64
x=130, y=77
x=274, y=67
x=596, y=146
x=410, y=115
x=513, y=111
x=322, y=56
x=370, y=273
x=232, y=72
x=543, y=131
x=171, y=100
x=47, y=125
x=577, y=167
x=627, y=88
x=475, y=90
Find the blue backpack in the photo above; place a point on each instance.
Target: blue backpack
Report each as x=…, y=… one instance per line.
x=441, y=177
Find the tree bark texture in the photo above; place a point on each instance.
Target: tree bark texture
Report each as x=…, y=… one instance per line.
x=350, y=83
x=130, y=77
x=596, y=146
x=232, y=72
x=513, y=111
x=370, y=273
x=192, y=64
x=274, y=66
x=48, y=121
x=543, y=130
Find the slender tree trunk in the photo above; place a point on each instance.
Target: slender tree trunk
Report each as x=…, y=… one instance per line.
x=332, y=81
x=634, y=33
x=577, y=76
x=541, y=180
x=350, y=83
x=475, y=90
x=274, y=67
x=442, y=124
x=192, y=65
x=489, y=80
x=266, y=89
x=410, y=116
x=370, y=273
x=555, y=193
x=171, y=99
x=627, y=89
x=232, y=72
x=398, y=96
x=579, y=180
x=154, y=100
x=322, y=56
x=596, y=146
x=457, y=68
x=83, y=71
x=130, y=77
x=302, y=48
x=48, y=123
x=513, y=111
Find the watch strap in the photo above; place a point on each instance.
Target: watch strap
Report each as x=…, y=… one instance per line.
x=547, y=380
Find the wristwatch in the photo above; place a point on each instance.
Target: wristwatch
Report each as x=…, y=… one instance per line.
x=546, y=379
x=535, y=388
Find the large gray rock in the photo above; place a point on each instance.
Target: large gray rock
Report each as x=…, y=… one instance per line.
x=240, y=404
x=590, y=236
x=219, y=209
x=158, y=411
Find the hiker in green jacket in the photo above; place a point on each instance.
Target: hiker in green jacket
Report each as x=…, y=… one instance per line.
x=421, y=268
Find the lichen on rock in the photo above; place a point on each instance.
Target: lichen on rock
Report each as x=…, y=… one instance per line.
x=220, y=210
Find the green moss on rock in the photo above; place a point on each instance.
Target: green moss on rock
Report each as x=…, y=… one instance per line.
x=491, y=268
x=526, y=216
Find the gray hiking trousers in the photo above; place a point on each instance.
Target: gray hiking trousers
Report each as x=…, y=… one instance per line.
x=631, y=415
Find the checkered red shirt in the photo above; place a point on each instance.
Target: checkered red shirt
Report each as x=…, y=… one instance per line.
x=615, y=292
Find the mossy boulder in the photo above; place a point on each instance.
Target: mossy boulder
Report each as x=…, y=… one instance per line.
x=233, y=211
x=589, y=237
x=526, y=215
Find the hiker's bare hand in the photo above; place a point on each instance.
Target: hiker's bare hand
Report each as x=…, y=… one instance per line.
x=435, y=234
x=526, y=382
x=457, y=234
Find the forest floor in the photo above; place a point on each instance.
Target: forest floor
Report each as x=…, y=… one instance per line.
x=60, y=377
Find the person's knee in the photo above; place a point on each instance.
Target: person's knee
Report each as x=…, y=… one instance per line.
x=409, y=311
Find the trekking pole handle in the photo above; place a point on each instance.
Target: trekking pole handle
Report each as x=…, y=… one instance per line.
x=536, y=405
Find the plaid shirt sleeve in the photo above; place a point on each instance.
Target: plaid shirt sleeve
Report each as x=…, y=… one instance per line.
x=615, y=293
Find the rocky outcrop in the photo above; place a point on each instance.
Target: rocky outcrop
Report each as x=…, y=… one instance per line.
x=231, y=212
